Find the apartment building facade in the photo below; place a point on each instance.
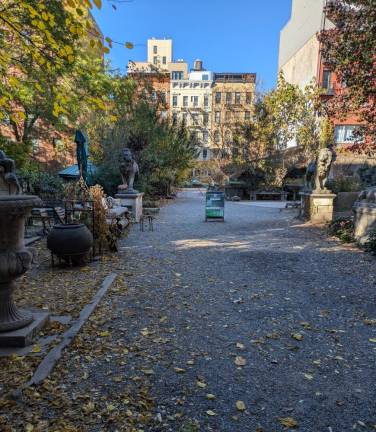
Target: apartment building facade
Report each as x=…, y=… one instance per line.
x=232, y=101
x=301, y=61
x=193, y=95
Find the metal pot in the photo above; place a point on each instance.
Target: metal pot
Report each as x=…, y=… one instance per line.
x=70, y=242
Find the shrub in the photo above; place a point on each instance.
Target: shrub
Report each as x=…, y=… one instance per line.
x=343, y=229
x=345, y=184
x=370, y=245
x=42, y=183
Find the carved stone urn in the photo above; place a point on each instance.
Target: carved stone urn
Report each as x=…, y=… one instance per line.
x=15, y=258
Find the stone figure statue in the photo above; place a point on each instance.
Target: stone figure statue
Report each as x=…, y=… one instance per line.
x=309, y=176
x=324, y=162
x=8, y=175
x=368, y=196
x=128, y=170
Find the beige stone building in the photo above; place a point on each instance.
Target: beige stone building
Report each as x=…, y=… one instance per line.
x=233, y=96
x=160, y=59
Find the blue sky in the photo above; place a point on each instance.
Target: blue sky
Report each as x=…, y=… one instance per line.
x=228, y=35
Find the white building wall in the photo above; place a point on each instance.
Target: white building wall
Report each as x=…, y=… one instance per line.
x=306, y=20
x=302, y=68
x=193, y=115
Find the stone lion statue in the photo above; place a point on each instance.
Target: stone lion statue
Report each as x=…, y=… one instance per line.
x=324, y=162
x=128, y=169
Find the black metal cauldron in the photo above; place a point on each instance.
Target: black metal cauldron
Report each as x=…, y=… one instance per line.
x=70, y=242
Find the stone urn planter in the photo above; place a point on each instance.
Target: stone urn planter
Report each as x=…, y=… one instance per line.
x=70, y=242
x=15, y=258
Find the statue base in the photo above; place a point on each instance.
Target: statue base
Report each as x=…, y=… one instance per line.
x=132, y=199
x=364, y=220
x=24, y=336
x=317, y=206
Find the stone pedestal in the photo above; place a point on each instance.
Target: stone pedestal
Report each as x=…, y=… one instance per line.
x=317, y=207
x=364, y=220
x=133, y=200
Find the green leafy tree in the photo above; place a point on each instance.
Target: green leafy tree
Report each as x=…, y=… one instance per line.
x=349, y=50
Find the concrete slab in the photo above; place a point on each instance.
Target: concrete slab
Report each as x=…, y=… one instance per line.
x=25, y=336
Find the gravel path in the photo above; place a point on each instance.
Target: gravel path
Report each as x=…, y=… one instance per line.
x=259, y=309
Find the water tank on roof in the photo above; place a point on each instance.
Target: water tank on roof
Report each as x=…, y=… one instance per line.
x=197, y=66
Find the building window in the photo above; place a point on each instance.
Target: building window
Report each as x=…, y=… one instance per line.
x=346, y=134
x=194, y=100
x=185, y=101
x=205, y=137
x=195, y=118
x=155, y=60
x=35, y=145
x=228, y=137
x=248, y=98
x=174, y=101
x=206, y=101
x=228, y=98
x=177, y=75
x=205, y=77
x=155, y=49
x=164, y=60
x=204, y=153
x=218, y=97
x=206, y=119
x=217, y=117
x=217, y=137
x=227, y=116
x=247, y=116
x=163, y=97
x=327, y=79
x=237, y=98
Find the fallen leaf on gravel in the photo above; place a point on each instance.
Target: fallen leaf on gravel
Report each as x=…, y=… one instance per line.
x=370, y=321
x=240, y=346
x=148, y=371
x=179, y=370
x=240, y=405
x=190, y=362
x=288, y=422
x=308, y=376
x=240, y=361
x=36, y=349
x=201, y=384
x=210, y=396
x=104, y=333
x=210, y=413
x=88, y=408
x=373, y=340
x=29, y=428
x=297, y=336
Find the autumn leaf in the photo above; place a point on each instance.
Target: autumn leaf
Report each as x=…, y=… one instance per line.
x=98, y=3
x=240, y=346
x=373, y=340
x=210, y=413
x=210, y=396
x=240, y=405
x=297, y=336
x=179, y=370
x=201, y=384
x=240, y=361
x=288, y=422
x=36, y=349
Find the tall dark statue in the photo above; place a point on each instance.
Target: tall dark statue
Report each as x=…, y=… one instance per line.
x=82, y=152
